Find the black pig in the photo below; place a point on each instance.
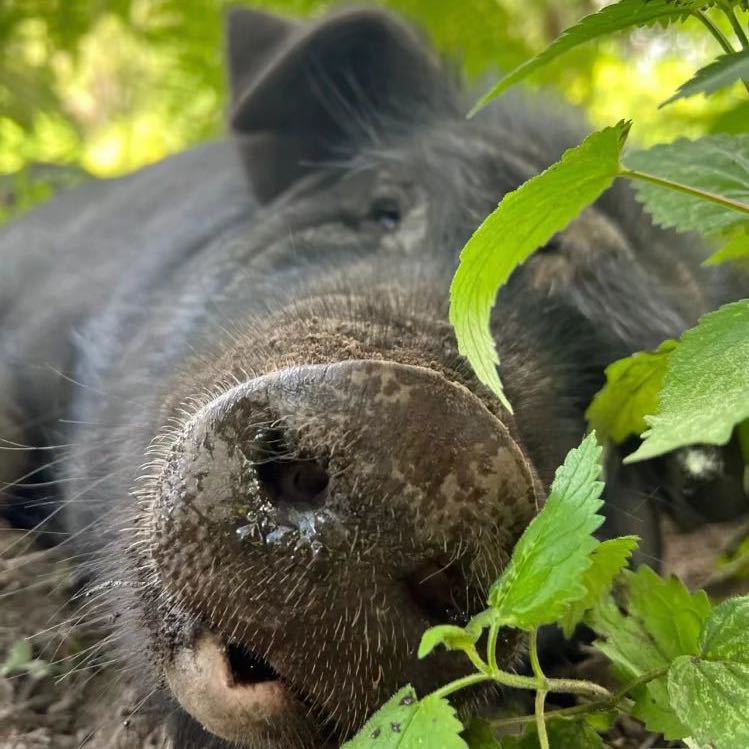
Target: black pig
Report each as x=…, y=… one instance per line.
x=262, y=435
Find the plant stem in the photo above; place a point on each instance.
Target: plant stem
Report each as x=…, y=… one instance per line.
x=541, y=690
x=714, y=30
x=609, y=703
x=577, y=686
x=491, y=647
x=516, y=681
x=564, y=712
x=695, y=192
x=741, y=36
x=454, y=686
x=543, y=737
x=476, y=659
x=543, y=685
x=718, y=34
x=533, y=651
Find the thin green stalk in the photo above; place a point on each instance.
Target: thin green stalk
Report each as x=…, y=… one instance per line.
x=476, y=659
x=533, y=652
x=696, y=192
x=609, y=703
x=516, y=681
x=458, y=684
x=718, y=34
x=563, y=712
x=577, y=686
x=491, y=647
x=738, y=30
x=543, y=737
x=714, y=30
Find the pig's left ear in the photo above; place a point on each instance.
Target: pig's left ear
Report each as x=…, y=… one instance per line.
x=304, y=95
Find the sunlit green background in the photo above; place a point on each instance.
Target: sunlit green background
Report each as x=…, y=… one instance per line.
x=102, y=87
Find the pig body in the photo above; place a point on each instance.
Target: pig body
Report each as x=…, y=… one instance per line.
x=246, y=385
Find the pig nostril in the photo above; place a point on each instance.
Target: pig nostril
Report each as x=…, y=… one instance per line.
x=248, y=668
x=297, y=482
x=440, y=593
x=285, y=477
x=303, y=482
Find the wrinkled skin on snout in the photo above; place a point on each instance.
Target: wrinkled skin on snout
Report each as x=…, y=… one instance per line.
x=274, y=463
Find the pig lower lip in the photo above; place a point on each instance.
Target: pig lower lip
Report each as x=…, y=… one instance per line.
x=231, y=701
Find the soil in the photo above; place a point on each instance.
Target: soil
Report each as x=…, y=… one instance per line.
x=74, y=696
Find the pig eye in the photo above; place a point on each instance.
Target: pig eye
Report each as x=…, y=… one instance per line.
x=386, y=212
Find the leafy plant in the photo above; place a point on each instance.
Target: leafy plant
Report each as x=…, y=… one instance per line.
x=698, y=185
x=529, y=216
x=670, y=648
x=683, y=664
x=705, y=390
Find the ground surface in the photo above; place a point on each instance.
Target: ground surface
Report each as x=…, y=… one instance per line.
x=92, y=706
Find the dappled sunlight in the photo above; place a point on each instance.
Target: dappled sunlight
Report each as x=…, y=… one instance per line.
x=113, y=91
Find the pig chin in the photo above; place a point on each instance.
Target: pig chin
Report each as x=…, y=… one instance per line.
x=304, y=528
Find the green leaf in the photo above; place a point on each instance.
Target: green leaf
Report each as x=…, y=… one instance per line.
x=717, y=164
x=626, y=14
x=19, y=656
x=481, y=735
x=663, y=621
x=710, y=692
x=706, y=388
x=724, y=635
x=20, y=660
x=736, y=249
x=452, y=637
x=722, y=72
x=563, y=734
x=545, y=572
x=631, y=391
x=608, y=559
x=524, y=221
x=404, y=722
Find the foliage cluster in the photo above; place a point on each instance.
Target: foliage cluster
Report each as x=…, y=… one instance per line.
x=682, y=662
x=101, y=88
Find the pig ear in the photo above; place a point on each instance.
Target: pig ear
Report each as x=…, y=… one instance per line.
x=303, y=95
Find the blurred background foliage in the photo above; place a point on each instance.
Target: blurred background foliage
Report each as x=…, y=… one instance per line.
x=102, y=87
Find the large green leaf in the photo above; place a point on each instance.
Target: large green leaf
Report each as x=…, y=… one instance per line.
x=716, y=164
x=722, y=72
x=626, y=14
x=405, y=722
x=662, y=621
x=546, y=570
x=706, y=388
x=524, y=221
x=630, y=394
x=710, y=692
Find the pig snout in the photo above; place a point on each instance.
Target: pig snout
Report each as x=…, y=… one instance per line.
x=307, y=525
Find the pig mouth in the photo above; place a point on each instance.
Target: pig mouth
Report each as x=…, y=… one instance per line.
x=245, y=696
x=236, y=694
